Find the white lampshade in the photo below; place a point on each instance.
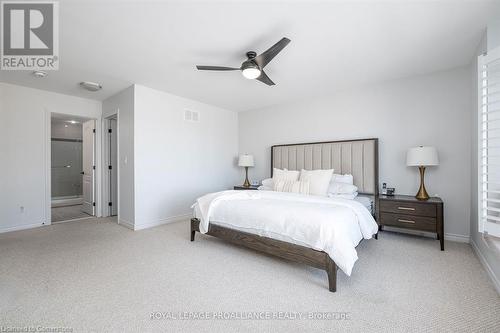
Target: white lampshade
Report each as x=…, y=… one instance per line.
x=422, y=156
x=246, y=161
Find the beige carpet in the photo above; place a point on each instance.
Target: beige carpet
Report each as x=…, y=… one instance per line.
x=93, y=275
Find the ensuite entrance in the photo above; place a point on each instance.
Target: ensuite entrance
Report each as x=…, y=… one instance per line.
x=72, y=167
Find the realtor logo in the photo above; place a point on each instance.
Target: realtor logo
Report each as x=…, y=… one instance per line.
x=29, y=35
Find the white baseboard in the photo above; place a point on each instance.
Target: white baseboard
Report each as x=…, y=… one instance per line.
x=172, y=219
x=126, y=224
x=447, y=236
x=22, y=227
x=66, y=202
x=457, y=238
x=487, y=267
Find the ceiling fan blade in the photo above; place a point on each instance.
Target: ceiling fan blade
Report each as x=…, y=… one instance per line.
x=265, y=79
x=216, y=68
x=263, y=59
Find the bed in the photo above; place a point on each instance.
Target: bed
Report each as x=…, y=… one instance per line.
x=295, y=226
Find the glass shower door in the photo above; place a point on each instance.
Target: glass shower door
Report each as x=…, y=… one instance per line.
x=66, y=168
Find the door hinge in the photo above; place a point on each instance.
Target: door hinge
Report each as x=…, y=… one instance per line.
x=110, y=130
x=93, y=204
x=93, y=167
x=93, y=130
x=110, y=167
x=110, y=204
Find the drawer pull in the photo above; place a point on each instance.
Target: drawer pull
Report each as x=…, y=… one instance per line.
x=406, y=221
x=406, y=208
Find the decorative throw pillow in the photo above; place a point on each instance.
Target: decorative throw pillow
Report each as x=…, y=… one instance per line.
x=319, y=180
x=293, y=186
x=285, y=174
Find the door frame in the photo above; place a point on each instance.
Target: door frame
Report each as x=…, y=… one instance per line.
x=48, y=163
x=106, y=181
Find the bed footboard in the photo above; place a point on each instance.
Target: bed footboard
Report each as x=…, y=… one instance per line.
x=289, y=251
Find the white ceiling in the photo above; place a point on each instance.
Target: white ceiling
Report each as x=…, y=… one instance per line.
x=335, y=45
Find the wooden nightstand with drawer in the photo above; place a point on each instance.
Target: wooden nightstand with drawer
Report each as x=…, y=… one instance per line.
x=241, y=187
x=405, y=211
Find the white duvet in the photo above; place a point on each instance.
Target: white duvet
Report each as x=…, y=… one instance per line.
x=333, y=225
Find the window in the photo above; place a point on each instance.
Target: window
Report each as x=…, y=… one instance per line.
x=489, y=142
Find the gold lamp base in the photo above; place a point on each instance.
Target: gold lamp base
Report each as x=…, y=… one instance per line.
x=422, y=192
x=246, y=183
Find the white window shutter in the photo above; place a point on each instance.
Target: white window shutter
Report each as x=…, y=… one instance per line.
x=489, y=142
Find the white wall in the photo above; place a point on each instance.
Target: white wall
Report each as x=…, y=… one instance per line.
x=25, y=148
x=428, y=110
x=175, y=160
x=123, y=105
x=493, y=35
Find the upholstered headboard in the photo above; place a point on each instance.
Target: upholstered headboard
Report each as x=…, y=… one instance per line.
x=356, y=157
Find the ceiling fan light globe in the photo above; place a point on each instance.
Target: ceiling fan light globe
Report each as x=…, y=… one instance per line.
x=251, y=73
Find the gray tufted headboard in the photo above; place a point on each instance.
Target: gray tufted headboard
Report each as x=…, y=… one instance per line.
x=356, y=157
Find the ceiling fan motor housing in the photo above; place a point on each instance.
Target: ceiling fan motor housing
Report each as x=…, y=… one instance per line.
x=249, y=64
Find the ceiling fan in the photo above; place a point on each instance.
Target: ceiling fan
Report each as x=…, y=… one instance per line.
x=253, y=67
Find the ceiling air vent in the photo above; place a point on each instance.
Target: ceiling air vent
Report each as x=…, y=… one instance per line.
x=195, y=115
x=191, y=115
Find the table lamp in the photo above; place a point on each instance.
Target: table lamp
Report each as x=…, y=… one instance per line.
x=422, y=157
x=246, y=161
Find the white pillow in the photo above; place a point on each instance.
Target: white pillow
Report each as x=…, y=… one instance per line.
x=341, y=188
x=265, y=188
x=285, y=174
x=293, y=186
x=319, y=180
x=268, y=183
x=347, y=178
x=343, y=196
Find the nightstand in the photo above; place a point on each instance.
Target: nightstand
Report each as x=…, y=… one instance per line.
x=405, y=211
x=251, y=187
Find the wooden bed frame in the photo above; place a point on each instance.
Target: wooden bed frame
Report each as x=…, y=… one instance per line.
x=289, y=251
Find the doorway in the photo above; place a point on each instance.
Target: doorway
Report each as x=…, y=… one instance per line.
x=72, y=158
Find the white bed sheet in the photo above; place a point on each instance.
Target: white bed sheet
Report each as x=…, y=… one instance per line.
x=333, y=225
